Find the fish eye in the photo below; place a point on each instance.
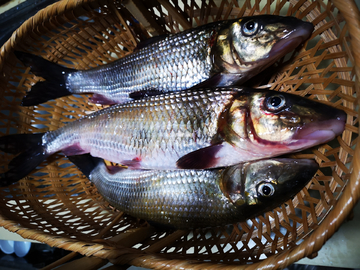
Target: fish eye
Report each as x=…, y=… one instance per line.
x=275, y=102
x=266, y=189
x=250, y=28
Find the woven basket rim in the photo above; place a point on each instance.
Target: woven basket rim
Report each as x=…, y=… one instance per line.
x=54, y=9
x=309, y=246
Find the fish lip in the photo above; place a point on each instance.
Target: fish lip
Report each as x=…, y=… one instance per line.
x=319, y=132
x=286, y=45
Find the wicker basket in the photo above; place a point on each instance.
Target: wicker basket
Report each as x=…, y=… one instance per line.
x=57, y=205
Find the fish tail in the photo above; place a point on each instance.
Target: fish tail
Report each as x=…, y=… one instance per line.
x=85, y=163
x=16, y=143
x=27, y=160
x=54, y=74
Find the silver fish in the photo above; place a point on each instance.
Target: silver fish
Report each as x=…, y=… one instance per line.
x=217, y=54
x=199, y=198
x=188, y=129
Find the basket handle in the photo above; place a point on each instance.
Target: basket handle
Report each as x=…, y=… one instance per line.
x=351, y=194
x=351, y=14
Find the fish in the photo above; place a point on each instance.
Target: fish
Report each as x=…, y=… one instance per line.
x=194, y=129
x=218, y=54
x=185, y=199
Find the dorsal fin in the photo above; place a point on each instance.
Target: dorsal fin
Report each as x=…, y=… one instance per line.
x=150, y=41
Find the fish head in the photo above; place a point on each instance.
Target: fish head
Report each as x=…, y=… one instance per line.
x=250, y=44
x=259, y=186
x=276, y=123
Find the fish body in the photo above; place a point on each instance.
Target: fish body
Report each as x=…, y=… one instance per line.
x=200, y=198
x=217, y=54
x=185, y=130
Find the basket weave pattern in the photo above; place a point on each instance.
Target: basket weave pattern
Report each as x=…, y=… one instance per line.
x=57, y=205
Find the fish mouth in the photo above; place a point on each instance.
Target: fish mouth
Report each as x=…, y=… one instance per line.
x=318, y=133
x=292, y=40
x=285, y=46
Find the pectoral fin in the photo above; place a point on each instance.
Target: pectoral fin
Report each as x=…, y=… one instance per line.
x=144, y=93
x=132, y=164
x=100, y=99
x=220, y=80
x=85, y=163
x=200, y=159
x=115, y=169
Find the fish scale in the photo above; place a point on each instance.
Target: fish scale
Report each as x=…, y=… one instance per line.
x=164, y=193
x=151, y=71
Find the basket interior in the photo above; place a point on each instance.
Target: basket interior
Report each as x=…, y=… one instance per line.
x=56, y=204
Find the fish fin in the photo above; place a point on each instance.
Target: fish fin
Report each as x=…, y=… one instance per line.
x=73, y=150
x=150, y=41
x=26, y=161
x=145, y=93
x=54, y=74
x=44, y=91
x=160, y=226
x=100, y=99
x=16, y=143
x=85, y=163
x=42, y=67
x=200, y=159
x=115, y=169
x=219, y=80
x=131, y=164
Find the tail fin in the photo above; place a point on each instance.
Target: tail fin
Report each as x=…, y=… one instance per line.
x=85, y=163
x=16, y=143
x=27, y=160
x=54, y=74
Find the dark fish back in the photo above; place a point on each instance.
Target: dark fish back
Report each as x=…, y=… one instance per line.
x=173, y=63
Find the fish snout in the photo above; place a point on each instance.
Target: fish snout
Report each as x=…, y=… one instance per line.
x=301, y=171
x=298, y=32
x=306, y=29
x=307, y=168
x=328, y=113
x=300, y=28
x=324, y=126
x=338, y=122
